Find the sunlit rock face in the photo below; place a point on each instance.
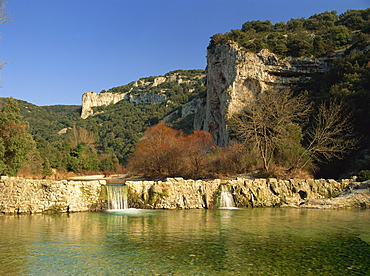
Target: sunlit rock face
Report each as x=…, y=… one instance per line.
x=236, y=77
x=92, y=99
x=141, y=92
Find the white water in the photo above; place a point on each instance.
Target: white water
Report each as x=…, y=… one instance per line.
x=226, y=200
x=117, y=197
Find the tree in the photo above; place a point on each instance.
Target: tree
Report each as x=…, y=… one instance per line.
x=4, y=17
x=272, y=125
x=197, y=147
x=80, y=135
x=299, y=44
x=163, y=151
x=156, y=152
x=331, y=135
x=15, y=141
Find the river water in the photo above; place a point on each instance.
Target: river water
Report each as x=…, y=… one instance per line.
x=266, y=241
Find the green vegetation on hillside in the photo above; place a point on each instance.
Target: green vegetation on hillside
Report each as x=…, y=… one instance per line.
x=119, y=126
x=318, y=35
x=101, y=142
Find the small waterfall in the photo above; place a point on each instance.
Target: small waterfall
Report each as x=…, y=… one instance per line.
x=226, y=198
x=117, y=196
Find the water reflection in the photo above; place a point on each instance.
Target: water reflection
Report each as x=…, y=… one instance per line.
x=188, y=242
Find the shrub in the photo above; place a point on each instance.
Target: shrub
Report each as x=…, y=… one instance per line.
x=163, y=151
x=364, y=175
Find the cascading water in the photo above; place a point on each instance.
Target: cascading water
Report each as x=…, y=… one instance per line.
x=226, y=198
x=117, y=196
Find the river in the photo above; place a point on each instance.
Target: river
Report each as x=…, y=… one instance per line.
x=266, y=241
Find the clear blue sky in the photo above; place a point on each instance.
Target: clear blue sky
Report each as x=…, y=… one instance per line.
x=55, y=50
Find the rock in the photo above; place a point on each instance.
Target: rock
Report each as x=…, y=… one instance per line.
x=186, y=109
x=19, y=195
x=236, y=77
x=354, y=195
x=92, y=99
x=140, y=93
x=189, y=194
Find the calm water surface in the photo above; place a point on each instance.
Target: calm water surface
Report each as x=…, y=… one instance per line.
x=188, y=242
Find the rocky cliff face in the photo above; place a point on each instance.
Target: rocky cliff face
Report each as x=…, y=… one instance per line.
x=146, y=91
x=236, y=77
x=92, y=99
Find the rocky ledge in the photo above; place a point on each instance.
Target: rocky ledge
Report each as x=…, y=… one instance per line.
x=357, y=194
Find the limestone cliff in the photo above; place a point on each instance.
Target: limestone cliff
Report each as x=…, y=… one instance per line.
x=189, y=108
x=235, y=77
x=147, y=91
x=92, y=99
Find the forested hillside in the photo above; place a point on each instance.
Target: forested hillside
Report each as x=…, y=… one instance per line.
x=319, y=35
x=102, y=142
x=67, y=143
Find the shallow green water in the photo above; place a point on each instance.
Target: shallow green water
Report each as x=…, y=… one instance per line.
x=188, y=242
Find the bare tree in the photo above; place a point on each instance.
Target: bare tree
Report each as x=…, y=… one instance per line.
x=80, y=135
x=4, y=16
x=270, y=121
x=274, y=125
x=331, y=135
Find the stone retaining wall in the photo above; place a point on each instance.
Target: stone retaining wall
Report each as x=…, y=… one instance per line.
x=18, y=195
x=179, y=193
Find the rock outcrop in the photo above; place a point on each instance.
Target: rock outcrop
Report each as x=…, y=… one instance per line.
x=92, y=99
x=145, y=91
x=355, y=195
x=192, y=107
x=236, y=77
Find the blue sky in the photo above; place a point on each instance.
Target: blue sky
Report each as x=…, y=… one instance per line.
x=55, y=50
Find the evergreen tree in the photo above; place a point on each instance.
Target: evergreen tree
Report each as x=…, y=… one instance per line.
x=15, y=141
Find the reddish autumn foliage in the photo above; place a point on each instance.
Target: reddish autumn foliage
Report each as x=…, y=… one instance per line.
x=167, y=152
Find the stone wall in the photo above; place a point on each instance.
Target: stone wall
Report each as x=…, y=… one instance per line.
x=174, y=193
x=187, y=194
x=18, y=195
